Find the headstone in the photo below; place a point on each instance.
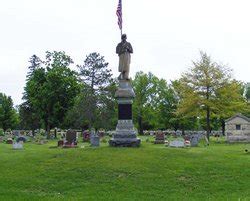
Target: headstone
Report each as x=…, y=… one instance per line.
x=159, y=138
x=1, y=138
x=16, y=132
x=9, y=141
x=60, y=143
x=177, y=143
x=178, y=133
x=21, y=138
x=71, y=137
x=101, y=134
x=187, y=143
x=194, y=140
x=86, y=136
x=94, y=139
x=18, y=145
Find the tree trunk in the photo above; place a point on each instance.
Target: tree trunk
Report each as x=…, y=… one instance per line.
x=223, y=126
x=208, y=122
x=48, y=130
x=47, y=127
x=208, y=115
x=55, y=133
x=140, y=125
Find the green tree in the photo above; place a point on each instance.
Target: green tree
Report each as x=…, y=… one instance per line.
x=95, y=105
x=164, y=104
x=35, y=63
x=248, y=92
x=30, y=117
x=154, y=103
x=51, y=89
x=142, y=109
x=179, y=122
x=8, y=115
x=207, y=90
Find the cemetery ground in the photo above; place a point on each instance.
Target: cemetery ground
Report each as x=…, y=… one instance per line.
x=220, y=171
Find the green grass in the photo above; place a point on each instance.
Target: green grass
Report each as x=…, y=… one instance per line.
x=152, y=172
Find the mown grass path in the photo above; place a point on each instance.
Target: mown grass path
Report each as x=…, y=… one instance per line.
x=151, y=172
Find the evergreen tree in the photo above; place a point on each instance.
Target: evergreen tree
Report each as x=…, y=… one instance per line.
x=97, y=96
x=8, y=115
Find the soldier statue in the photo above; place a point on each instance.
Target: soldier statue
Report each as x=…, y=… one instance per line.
x=124, y=49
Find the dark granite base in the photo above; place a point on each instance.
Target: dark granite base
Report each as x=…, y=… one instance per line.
x=125, y=142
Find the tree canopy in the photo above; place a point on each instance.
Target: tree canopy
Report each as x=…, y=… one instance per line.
x=8, y=115
x=208, y=90
x=51, y=88
x=154, y=102
x=94, y=107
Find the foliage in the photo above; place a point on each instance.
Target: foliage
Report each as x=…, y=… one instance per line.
x=29, y=118
x=142, y=108
x=8, y=115
x=36, y=77
x=248, y=92
x=154, y=102
x=50, y=90
x=1, y=132
x=207, y=90
x=94, y=107
x=39, y=138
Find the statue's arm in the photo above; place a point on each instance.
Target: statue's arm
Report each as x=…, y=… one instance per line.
x=118, y=49
x=130, y=49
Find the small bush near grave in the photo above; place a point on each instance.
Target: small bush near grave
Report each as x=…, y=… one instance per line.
x=104, y=140
x=1, y=132
x=40, y=139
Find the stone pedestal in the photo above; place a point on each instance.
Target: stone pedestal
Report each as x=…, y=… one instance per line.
x=125, y=135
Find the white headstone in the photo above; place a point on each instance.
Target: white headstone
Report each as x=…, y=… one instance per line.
x=18, y=145
x=177, y=143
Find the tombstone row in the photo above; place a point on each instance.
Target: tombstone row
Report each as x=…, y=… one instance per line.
x=191, y=140
x=182, y=133
x=71, y=138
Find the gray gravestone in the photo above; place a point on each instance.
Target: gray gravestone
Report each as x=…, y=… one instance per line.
x=21, y=138
x=18, y=145
x=94, y=139
x=177, y=143
x=71, y=137
x=159, y=138
x=194, y=140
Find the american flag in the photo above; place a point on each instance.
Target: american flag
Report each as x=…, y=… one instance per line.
x=119, y=14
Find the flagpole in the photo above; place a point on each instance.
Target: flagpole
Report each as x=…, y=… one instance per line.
x=119, y=14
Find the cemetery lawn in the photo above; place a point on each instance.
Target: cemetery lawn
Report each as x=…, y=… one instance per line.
x=152, y=172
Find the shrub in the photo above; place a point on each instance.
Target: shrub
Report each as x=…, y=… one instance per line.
x=1, y=132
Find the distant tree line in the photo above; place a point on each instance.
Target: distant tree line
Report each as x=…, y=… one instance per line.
x=56, y=96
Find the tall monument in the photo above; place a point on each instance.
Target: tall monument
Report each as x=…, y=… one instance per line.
x=125, y=134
